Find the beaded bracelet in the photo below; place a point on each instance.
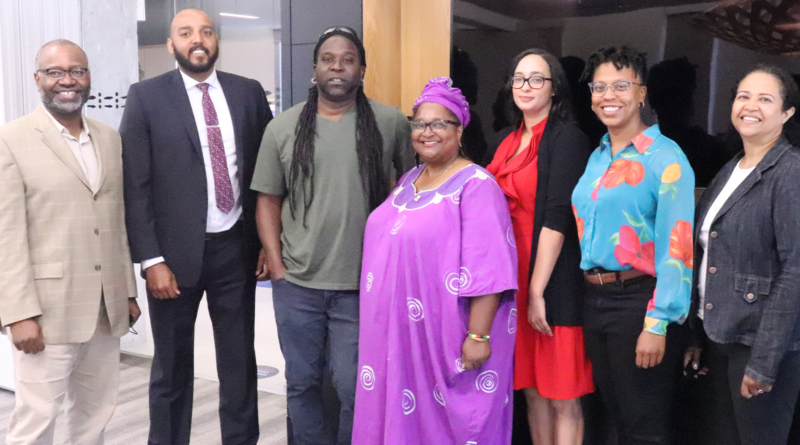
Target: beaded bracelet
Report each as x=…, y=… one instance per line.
x=478, y=337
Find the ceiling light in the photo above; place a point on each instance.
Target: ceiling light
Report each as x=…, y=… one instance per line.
x=238, y=16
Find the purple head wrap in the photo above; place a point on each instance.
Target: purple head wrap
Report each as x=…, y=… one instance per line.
x=441, y=91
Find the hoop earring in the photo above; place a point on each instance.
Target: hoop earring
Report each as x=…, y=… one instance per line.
x=314, y=80
x=641, y=105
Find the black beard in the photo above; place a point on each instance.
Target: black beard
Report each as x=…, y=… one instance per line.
x=190, y=67
x=62, y=108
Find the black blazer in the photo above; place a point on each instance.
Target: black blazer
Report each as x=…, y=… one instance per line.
x=166, y=197
x=563, y=154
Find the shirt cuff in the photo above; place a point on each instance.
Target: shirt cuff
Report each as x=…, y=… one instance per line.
x=655, y=326
x=152, y=262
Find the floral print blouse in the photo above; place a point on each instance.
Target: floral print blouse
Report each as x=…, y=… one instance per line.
x=635, y=210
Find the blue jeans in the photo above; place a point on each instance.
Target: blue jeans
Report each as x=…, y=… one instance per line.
x=307, y=320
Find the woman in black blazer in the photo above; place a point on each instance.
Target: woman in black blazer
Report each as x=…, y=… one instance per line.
x=746, y=298
x=537, y=167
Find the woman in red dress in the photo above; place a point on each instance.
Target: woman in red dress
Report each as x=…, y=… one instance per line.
x=537, y=167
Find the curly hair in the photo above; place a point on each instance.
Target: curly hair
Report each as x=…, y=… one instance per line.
x=621, y=57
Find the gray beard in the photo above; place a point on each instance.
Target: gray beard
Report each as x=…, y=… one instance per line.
x=64, y=108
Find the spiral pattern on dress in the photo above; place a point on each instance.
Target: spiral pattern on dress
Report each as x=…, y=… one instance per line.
x=415, y=310
x=512, y=321
x=487, y=381
x=367, y=378
x=398, y=224
x=510, y=237
x=458, y=281
x=370, y=278
x=459, y=365
x=456, y=197
x=409, y=402
x=437, y=394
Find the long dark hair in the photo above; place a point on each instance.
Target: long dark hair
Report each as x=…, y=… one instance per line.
x=561, y=108
x=369, y=143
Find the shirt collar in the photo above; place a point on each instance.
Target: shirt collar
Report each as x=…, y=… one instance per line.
x=84, y=136
x=191, y=83
x=641, y=141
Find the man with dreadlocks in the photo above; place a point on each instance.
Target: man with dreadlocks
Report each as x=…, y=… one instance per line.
x=323, y=166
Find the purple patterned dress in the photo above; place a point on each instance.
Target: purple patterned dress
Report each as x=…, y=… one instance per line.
x=424, y=255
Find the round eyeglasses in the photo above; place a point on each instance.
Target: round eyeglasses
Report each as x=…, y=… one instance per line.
x=600, y=88
x=536, y=82
x=437, y=125
x=56, y=74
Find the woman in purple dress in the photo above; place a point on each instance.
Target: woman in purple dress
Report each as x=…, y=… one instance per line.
x=438, y=317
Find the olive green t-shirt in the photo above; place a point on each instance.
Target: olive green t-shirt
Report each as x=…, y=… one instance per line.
x=326, y=253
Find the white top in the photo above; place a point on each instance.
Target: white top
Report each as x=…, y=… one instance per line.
x=737, y=177
x=83, y=149
x=216, y=219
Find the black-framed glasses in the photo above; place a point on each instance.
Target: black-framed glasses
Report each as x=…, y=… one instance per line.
x=56, y=73
x=437, y=125
x=535, y=82
x=345, y=29
x=619, y=86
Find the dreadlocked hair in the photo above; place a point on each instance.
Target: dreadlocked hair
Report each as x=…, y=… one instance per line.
x=369, y=146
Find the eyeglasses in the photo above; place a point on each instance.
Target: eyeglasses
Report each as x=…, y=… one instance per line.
x=344, y=29
x=55, y=73
x=600, y=88
x=536, y=83
x=437, y=125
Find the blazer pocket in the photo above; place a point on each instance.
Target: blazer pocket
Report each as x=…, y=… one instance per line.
x=48, y=270
x=752, y=287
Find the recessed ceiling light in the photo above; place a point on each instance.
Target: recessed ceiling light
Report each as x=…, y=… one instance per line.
x=238, y=16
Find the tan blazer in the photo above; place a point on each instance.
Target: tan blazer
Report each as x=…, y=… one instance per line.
x=62, y=247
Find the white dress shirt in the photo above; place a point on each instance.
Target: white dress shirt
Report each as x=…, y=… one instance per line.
x=216, y=219
x=737, y=177
x=83, y=149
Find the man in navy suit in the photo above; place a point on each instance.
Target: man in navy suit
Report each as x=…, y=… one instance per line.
x=190, y=140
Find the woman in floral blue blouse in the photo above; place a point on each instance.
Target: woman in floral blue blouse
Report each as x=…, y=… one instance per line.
x=634, y=207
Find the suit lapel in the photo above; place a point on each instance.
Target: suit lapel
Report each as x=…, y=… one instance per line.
x=752, y=179
x=237, y=116
x=184, y=109
x=99, y=143
x=53, y=139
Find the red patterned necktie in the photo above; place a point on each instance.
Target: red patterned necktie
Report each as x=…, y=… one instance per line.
x=219, y=164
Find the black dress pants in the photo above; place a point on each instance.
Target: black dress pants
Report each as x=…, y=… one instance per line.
x=229, y=283
x=761, y=420
x=638, y=401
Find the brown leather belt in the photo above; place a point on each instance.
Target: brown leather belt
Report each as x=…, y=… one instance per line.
x=599, y=278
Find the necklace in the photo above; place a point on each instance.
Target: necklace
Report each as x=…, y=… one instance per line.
x=437, y=177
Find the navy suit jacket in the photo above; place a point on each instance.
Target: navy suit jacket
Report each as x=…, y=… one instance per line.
x=166, y=193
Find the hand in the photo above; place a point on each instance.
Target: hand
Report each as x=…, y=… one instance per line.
x=262, y=271
x=752, y=388
x=474, y=353
x=536, y=315
x=692, y=355
x=161, y=282
x=27, y=336
x=276, y=268
x=133, y=310
x=650, y=349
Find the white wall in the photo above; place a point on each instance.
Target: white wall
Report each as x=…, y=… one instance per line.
x=645, y=30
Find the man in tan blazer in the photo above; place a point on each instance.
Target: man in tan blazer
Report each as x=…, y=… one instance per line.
x=67, y=290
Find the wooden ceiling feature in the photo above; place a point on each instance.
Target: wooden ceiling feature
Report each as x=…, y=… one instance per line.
x=760, y=25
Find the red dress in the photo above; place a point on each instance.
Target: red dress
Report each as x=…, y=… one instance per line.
x=556, y=366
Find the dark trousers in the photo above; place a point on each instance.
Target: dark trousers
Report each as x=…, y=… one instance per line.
x=229, y=283
x=308, y=320
x=637, y=400
x=761, y=420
